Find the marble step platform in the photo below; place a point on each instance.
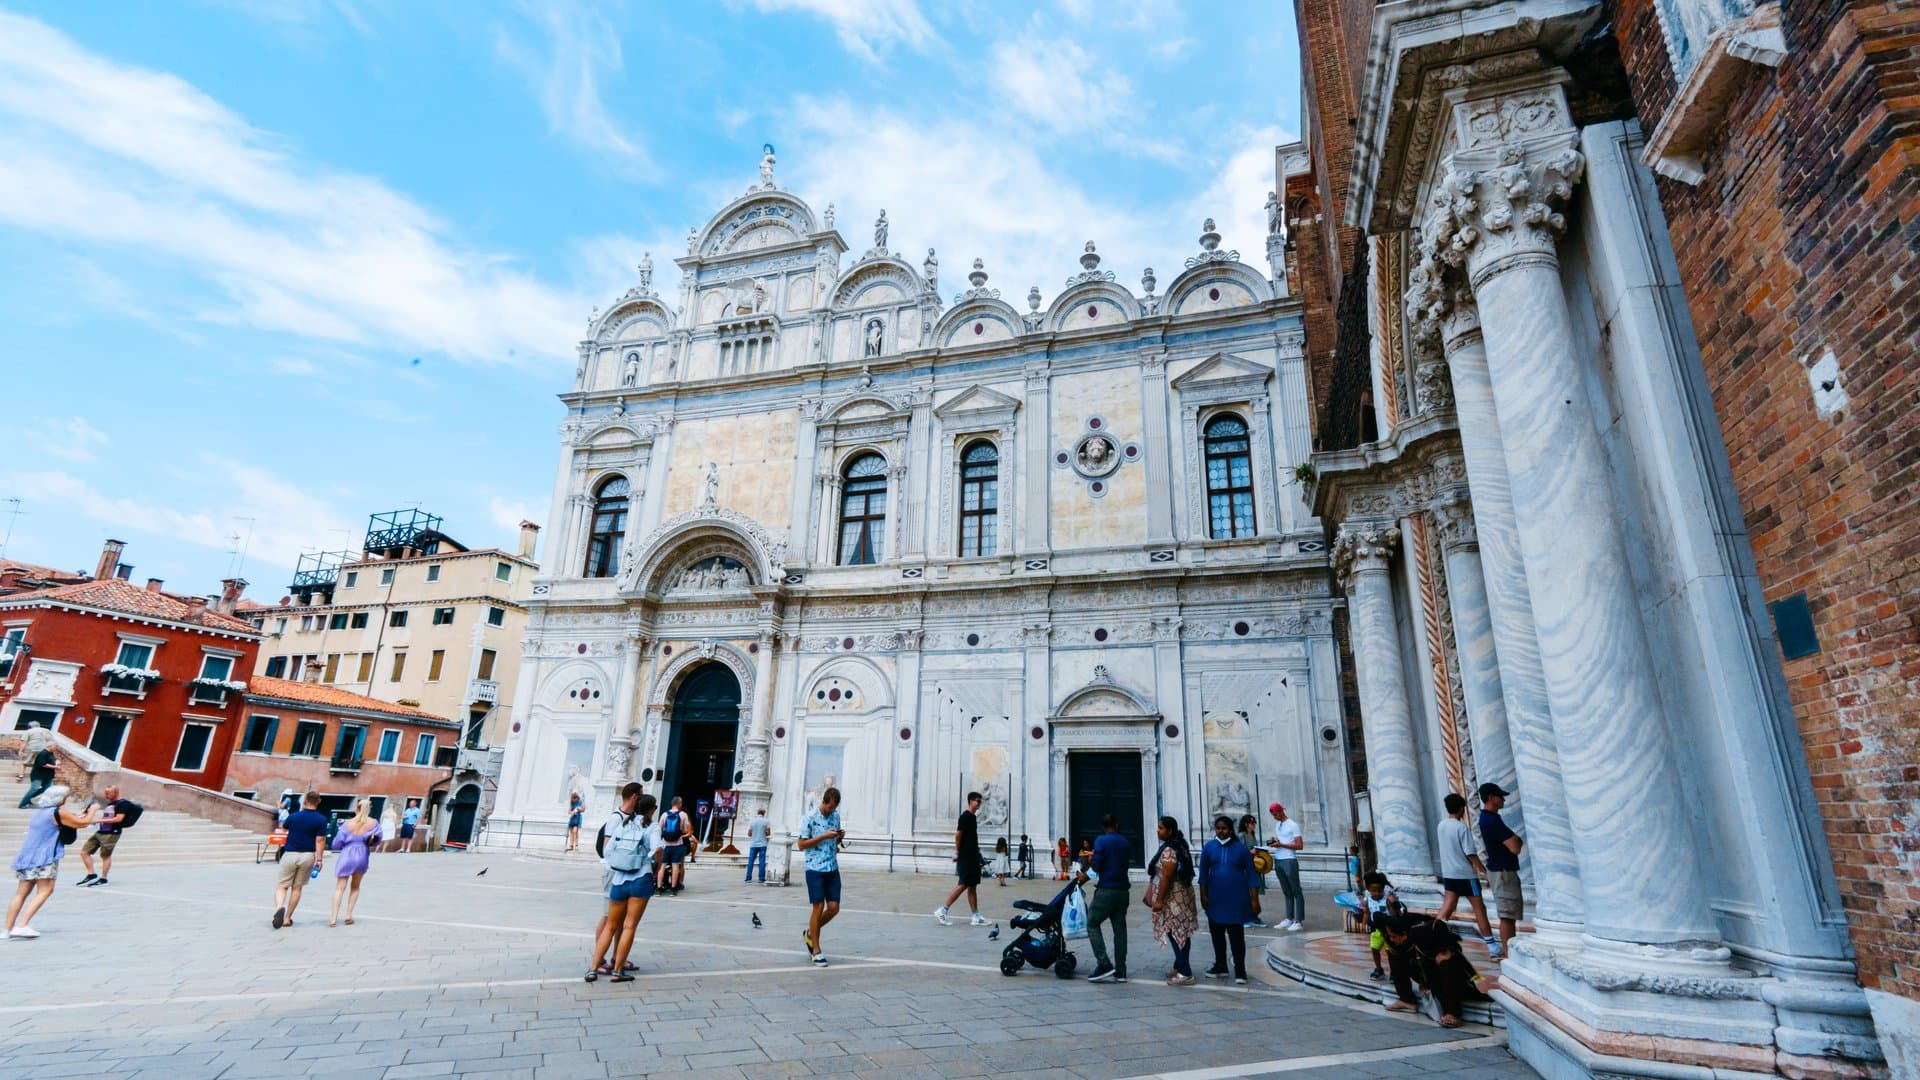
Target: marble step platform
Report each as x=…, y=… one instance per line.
x=1339, y=962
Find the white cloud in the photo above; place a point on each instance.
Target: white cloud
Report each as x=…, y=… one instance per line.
x=105, y=153
x=1055, y=83
x=1236, y=198
x=72, y=439
x=865, y=27
x=578, y=52
x=508, y=514
x=286, y=516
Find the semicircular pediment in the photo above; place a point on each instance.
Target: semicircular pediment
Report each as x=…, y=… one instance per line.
x=885, y=280
x=980, y=321
x=1102, y=699
x=735, y=227
x=1092, y=305
x=1214, y=285
x=654, y=563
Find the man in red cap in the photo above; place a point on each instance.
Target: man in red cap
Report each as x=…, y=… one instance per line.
x=1287, y=843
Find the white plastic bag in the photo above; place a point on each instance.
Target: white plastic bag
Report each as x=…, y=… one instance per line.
x=1073, y=921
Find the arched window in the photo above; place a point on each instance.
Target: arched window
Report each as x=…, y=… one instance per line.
x=979, y=498
x=609, y=527
x=1229, y=478
x=863, y=511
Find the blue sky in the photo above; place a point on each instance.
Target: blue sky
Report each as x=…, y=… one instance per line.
x=268, y=266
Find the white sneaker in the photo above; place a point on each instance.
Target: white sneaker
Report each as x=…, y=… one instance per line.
x=23, y=932
x=941, y=914
x=977, y=920
x=1296, y=926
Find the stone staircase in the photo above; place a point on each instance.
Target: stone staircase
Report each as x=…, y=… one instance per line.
x=162, y=838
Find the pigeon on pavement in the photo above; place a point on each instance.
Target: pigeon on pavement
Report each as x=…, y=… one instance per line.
x=994, y=934
x=756, y=920
x=483, y=871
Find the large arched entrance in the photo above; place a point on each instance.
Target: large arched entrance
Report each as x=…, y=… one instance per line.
x=704, y=729
x=461, y=813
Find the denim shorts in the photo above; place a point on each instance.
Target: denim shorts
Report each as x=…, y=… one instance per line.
x=823, y=886
x=640, y=888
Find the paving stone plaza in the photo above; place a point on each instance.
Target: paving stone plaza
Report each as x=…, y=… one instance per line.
x=173, y=972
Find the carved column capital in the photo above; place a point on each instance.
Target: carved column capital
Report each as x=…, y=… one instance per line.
x=1360, y=547
x=1499, y=196
x=1453, y=515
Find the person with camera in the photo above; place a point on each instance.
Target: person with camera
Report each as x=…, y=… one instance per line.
x=820, y=838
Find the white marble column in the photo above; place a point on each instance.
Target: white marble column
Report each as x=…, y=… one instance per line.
x=1361, y=553
x=1559, y=899
x=1164, y=494
x=1624, y=795
x=755, y=791
x=619, y=757
x=1473, y=642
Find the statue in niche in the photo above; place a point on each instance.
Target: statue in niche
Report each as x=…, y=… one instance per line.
x=646, y=272
x=880, y=232
x=876, y=334
x=711, y=492
x=1232, y=799
x=630, y=371
x=1273, y=213
x=995, y=805
x=766, y=167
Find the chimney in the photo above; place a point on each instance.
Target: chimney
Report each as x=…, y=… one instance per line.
x=196, y=607
x=310, y=673
x=125, y=573
x=154, y=583
x=529, y=532
x=230, y=590
x=109, y=559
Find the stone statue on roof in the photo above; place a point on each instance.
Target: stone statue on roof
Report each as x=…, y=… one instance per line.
x=646, y=272
x=880, y=232
x=766, y=167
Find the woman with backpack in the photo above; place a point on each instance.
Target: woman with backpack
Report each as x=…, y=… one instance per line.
x=629, y=844
x=52, y=827
x=1170, y=895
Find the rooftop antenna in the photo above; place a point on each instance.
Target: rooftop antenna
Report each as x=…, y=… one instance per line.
x=239, y=564
x=13, y=515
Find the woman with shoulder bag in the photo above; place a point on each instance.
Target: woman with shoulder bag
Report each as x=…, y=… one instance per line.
x=52, y=827
x=1169, y=894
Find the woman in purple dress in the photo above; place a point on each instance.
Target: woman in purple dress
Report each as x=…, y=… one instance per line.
x=352, y=841
x=39, y=857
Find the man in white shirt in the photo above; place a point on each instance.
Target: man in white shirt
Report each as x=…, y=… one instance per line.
x=757, y=831
x=1286, y=844
x=1461, y=871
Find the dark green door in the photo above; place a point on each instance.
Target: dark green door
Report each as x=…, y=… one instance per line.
x=1102, y=783
x=705, y=725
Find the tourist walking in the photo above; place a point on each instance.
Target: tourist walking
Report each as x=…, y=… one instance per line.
x=1230, y=895
x=37, y=764
x=1428, y=951
x=1460, y=871
x=354, y=840
x=51, y=828
x=1286, y=846
x=576, y=812
x=1107, y=866
x=1169, y=895
x=114, y=817
x=967, y=862
x=675, y=828
x=630, y=847
x=1503, y=864
x=820, y=837
x=409, y=822
x=757, y=832
x=301, y=856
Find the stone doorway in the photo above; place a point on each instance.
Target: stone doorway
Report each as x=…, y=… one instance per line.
x=705, y=729
x=1101, y=783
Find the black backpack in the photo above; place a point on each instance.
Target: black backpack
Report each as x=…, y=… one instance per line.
x=130, y=812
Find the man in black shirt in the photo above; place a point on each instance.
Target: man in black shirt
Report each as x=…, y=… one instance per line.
x=1425, y=950
x=40, y=765
x=967, y=862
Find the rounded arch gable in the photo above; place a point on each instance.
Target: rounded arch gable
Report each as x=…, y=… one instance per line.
x=1213, y=286
x=560, y=691
x=981, y=321
x=1092, y=305
x=751, y=212
x=826, y=688
x=696, y=535
x=1102, y=697
x=642, y=319
x=857, y=288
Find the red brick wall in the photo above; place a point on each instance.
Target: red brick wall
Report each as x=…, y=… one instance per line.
x=153, y=737
x=269, y=774
x=1803, y=238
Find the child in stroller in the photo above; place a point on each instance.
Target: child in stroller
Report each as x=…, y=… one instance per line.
x=1042, y=942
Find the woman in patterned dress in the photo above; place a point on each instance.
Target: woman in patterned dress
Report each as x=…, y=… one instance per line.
x=1170, y=895
x=354, y=839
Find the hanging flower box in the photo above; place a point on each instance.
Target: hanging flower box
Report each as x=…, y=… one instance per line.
x=134, y=674
x=231, y=685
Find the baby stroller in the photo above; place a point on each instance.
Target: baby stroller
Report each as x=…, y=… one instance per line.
x=1042, y=942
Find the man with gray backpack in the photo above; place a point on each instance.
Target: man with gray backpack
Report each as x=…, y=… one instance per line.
x=629, y=845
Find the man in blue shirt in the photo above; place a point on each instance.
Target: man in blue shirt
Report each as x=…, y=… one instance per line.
x=409, y=821
x=301, y=857
x=1111, y=854
x=1503, y=862
x=820, y=837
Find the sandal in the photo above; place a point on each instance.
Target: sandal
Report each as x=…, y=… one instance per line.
x=349, y=920
x=622, y=977
x=595, y=973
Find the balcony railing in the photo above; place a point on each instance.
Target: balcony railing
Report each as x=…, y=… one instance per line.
x=345, y=763
x=483, y=690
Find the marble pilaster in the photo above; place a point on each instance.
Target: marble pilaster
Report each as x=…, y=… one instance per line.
x=1361, y=554
x=1517, y=164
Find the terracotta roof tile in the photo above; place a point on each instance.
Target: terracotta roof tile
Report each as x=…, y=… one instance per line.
x=329, y=697
x=112, y=594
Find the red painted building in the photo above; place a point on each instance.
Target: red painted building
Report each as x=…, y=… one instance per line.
x=142, y=677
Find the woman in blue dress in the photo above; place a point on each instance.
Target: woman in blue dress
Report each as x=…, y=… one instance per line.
x=1229, y=892
x=39, y=858
x=353, y=840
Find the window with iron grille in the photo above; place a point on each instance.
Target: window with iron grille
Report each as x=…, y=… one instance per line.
x=863, y=511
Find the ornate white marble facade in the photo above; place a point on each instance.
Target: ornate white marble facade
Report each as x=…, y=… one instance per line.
x=1106, y=614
